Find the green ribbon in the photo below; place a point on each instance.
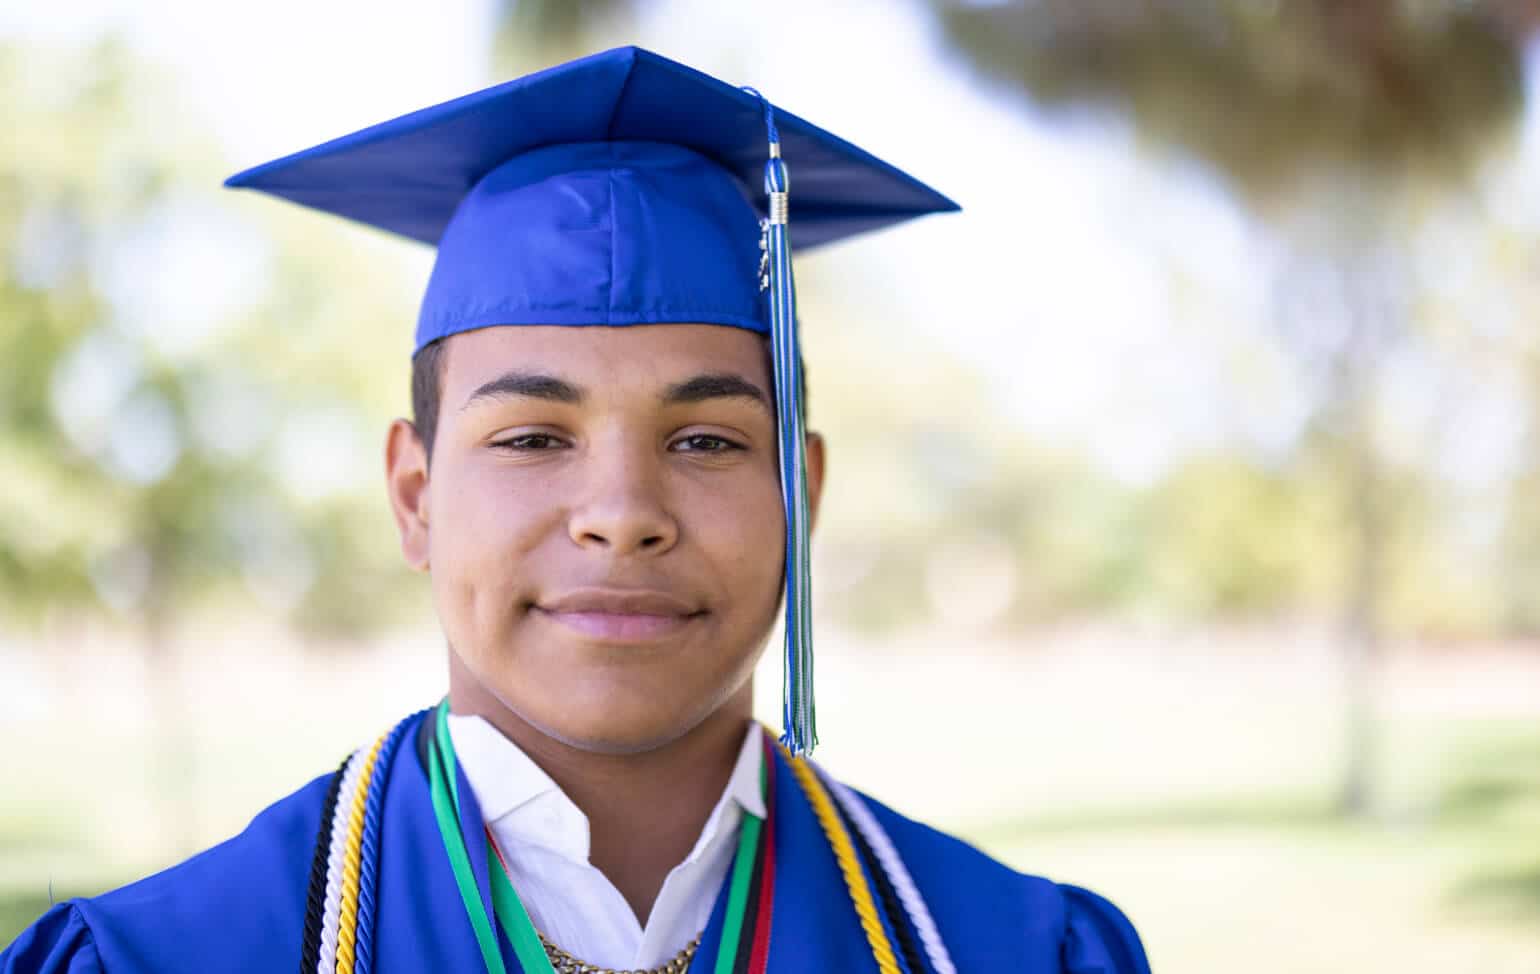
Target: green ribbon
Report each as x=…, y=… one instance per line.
x=506, y=906
x=738, y=893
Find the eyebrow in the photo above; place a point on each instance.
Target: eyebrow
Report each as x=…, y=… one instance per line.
x=531, y=385
x=540, y=385
x=714, y=385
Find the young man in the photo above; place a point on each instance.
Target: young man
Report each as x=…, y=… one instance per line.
x=610, y=488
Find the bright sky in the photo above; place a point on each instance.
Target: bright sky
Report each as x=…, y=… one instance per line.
x=1048, y=280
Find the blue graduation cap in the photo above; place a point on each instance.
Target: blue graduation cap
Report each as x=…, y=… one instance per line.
x=619, y=189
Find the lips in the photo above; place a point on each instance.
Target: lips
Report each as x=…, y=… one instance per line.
x=620, y=615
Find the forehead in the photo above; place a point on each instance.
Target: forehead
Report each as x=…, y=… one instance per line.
x=614, y=357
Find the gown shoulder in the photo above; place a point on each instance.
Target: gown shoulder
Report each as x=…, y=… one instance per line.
x=1099, y=938
x=1072, y=930
x=60, y=942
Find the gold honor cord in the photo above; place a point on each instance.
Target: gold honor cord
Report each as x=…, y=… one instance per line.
x=850, y=866
x=341, y=896
x=350, y=866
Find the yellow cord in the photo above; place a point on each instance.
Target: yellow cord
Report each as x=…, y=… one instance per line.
x=845, y=854
x=348, y=911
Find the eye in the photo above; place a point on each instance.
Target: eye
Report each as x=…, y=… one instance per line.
x=529, y=441
x=705, y=443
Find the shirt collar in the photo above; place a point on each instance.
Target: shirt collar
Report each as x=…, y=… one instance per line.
x=743, y=785
x=502, y=775
x=517, y=796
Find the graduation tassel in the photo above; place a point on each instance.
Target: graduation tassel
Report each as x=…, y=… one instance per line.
x=799, y=715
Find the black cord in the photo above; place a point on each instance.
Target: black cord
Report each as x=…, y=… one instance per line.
x=315, y=898
x=898, y=919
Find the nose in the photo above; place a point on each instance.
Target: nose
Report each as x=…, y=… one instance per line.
x=621, y=508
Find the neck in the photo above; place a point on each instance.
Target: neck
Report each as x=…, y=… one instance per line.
x=645, y=809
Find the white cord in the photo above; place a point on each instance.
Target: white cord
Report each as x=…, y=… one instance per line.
x=903, y=883
x=327, y=958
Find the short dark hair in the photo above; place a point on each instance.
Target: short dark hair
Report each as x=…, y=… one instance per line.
x=428, y=383
x=427, y=389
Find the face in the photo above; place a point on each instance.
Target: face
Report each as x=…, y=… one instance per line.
x=602, y=522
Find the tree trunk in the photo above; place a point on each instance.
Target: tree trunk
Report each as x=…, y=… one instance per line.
x=1361, y=625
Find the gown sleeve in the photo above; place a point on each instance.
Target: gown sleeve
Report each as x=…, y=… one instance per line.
x=58, y=943
x=1099, y=939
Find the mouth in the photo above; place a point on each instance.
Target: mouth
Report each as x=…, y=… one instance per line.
x=620, y=615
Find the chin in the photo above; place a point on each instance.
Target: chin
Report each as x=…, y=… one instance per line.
x=617, y=732
x=612, y=719
x=606, y=705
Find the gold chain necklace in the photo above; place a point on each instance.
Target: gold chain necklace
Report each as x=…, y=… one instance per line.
x=565, y=963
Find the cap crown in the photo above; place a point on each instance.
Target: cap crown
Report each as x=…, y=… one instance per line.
x=598, y=233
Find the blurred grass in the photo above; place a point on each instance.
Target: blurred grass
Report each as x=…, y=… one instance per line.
x=1447, y=878
x=18, y=909
x=1513, y=894
x=1193, y=794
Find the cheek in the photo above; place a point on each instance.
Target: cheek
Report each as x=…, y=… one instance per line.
x=483, y=529
x=744, y=531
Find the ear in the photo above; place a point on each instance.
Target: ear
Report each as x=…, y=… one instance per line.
x=406, y=480
x=816, y=458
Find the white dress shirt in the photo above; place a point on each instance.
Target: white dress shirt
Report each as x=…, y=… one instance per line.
x=544, y=837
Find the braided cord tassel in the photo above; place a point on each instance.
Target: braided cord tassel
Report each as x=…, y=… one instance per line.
x=799, y=714
x=315, y=898
x=351, y=865
x=326, y=963
x=898, y=874
x=849, y=865
x=374, y=809
x=341, y=899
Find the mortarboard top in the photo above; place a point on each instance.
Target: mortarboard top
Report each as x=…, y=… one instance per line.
x=619, y=189
x=409, y=174
x=543, y=140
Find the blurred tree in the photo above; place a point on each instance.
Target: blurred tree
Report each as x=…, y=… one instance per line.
x=173, y=436
x=1325, y=117
x=1232, y=539
x=184, y=413
x=1517, y=579
x=534, y=34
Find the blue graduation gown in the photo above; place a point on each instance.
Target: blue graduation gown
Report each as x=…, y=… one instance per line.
x=240, y=906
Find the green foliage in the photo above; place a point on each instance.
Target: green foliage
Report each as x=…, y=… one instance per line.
x=1268, y=93
x=170, y=385
x=53, y=202
x=535, y=34
x=1231, y=538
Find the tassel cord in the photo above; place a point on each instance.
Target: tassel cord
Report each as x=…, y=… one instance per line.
x=799, y=714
